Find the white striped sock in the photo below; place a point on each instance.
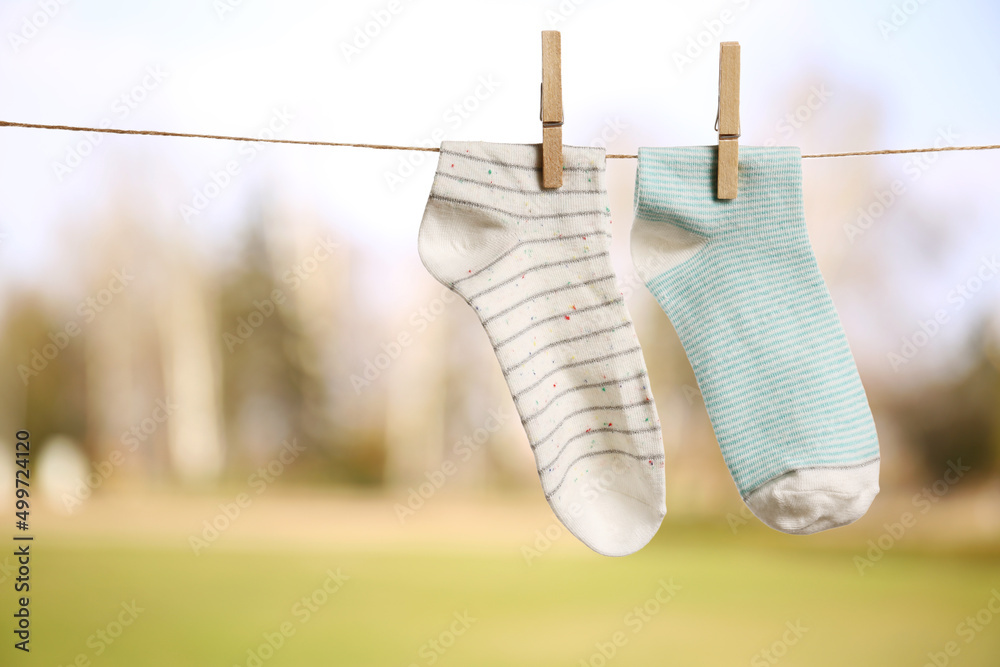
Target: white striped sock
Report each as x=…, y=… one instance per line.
x=535, y=265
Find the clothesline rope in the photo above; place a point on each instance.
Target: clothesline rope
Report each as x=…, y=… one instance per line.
x=389, y=147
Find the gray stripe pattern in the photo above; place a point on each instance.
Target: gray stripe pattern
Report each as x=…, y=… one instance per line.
x=522, y=215
x=576, y=364
x=618, y=452
x=597, y=385
x=593, y=408
x=521, y=244
x=537, y=267
x=511, y=165
x=547, y=292
x=572, y=339
x=527, y=191
x=592, y=431
x=558, y=316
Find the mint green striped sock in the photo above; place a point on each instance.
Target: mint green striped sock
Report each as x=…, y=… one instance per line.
x=741, y=286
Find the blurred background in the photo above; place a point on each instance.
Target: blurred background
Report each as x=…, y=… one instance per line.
x=263, y=434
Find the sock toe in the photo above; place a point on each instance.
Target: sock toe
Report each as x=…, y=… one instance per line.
x=613, y=523
x=814, y=499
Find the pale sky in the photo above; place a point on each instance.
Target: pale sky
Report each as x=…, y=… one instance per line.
x=877, y=77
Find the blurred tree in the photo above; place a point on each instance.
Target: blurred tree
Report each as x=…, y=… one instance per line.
x=957, y=418
x=278, y=324
x=43, y=386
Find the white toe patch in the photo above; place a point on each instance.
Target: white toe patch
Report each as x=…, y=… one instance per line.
x=814, y=499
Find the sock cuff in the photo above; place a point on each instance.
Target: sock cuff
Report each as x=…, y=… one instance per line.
x=504, y=181
x=678, y=185
x=526, y=157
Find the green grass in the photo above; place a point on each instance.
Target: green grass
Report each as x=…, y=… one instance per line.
x=736, y=595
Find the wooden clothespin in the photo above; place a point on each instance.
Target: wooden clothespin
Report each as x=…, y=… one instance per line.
x=552, y=110
x=728, y=120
